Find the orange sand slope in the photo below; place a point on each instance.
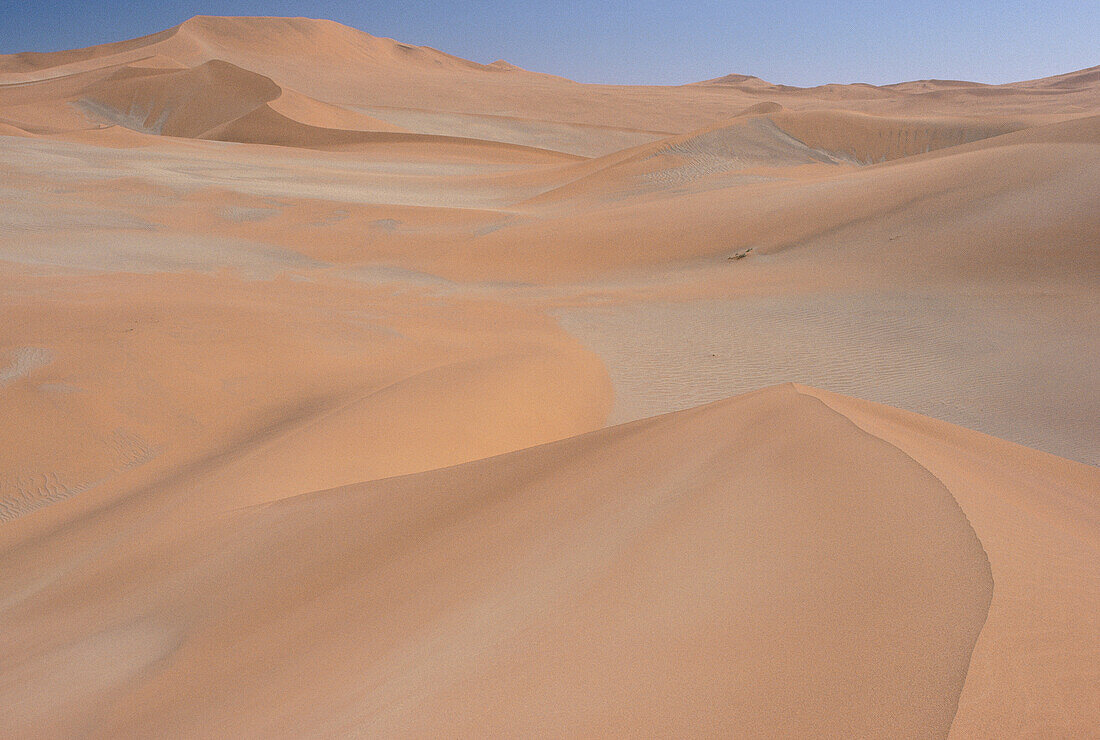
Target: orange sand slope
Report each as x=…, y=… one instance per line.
x=771, y=563
x=423, y=397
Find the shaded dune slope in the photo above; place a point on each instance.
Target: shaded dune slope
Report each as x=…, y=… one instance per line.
x=266, y=125
x=310, y=112
x=741, y=143
x=1038, y=518
x=868, y=139
x=185, y=103
x=9, y=129
x=756, y=564
x=218, y=100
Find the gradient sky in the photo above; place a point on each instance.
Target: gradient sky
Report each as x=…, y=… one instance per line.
x=801, y=42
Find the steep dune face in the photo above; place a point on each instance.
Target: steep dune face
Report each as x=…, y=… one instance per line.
x=869, y=139
x=266, y=125
x=218, y=100
x=185, y=103
x=1038, y=518
x=7, y=129
x=746, y=142
x=694, y=573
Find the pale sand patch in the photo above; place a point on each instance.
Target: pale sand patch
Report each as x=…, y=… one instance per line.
x=127, y=251
x=587, y=141
x=22, y=362
x=1008, y=365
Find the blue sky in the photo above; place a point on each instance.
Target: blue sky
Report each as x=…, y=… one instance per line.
x=801, y=42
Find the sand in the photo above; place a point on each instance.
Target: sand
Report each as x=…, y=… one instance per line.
x=433, y=398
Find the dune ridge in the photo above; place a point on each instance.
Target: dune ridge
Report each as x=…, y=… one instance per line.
x=716, y=489
x=1032, y=644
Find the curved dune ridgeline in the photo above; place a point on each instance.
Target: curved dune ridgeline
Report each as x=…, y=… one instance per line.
x=551, y=577
x=869, y=139
x=182, y=103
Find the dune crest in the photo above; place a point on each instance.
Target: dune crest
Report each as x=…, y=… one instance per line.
x=545, y=577
x=1033, y=616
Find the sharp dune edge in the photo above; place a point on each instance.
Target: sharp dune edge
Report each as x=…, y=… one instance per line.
x=425, y=397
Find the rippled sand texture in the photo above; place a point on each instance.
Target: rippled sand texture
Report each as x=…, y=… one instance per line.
x=421, y=397
x=962, y=358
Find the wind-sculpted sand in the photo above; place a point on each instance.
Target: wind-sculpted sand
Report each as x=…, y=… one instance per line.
x=423, y=397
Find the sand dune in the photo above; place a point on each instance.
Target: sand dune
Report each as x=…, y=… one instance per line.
x=368, y=71
x=303, y=109
x=869, y=139
x=544, y=578
x=1033, y=643
x=426, y=397
x=265, y=125
x=565, y=607
x=37, y=61
x=959, y=357
x=7, y=129
x=728, y=147
x=185, y=103
x=217, y=99
x=974, y=214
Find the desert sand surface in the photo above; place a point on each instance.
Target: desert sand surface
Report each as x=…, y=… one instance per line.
x=431, y=398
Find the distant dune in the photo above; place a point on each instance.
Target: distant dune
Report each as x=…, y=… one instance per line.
x=349, y=387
